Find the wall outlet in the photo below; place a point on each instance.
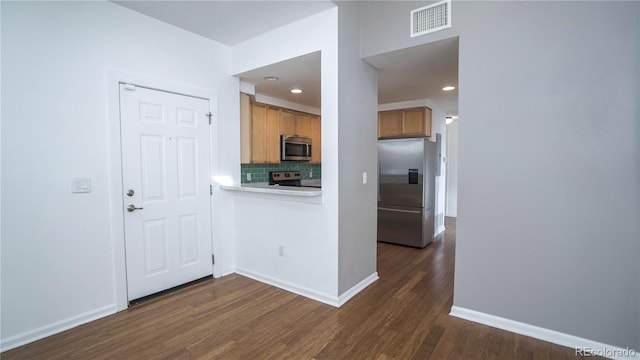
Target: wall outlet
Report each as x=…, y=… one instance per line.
x=280, y=250
x=310, y=174
x=248, y=176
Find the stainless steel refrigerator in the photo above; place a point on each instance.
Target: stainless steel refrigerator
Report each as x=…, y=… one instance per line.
x=406, y=193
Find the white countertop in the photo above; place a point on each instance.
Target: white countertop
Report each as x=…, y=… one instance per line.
x=275, y=189
x=311, y=183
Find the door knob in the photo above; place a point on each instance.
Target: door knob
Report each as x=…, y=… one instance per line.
x=132, y=208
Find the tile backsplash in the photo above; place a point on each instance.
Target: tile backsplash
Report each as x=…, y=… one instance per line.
x=260, y=172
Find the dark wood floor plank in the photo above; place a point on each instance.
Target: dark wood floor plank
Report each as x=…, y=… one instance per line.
x=404, y=315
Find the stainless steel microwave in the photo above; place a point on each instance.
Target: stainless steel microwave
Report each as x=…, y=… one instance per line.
x=295, y=148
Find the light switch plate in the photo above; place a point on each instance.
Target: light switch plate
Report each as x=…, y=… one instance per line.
x=364, y=177
x=80, y=185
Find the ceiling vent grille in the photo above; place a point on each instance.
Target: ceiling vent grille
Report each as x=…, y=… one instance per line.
x=431, y=18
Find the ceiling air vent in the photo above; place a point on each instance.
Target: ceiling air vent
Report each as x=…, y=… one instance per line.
x=431, y=18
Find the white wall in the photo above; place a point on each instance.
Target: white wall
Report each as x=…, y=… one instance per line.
x=379, y=37
x=308, y=232
x=547, y=231
x=438, y=126
x=358, y=97
x=550, y=142
x=452, y=170
x=58, y=268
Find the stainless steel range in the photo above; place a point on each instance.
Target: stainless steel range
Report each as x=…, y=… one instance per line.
x=285, y=178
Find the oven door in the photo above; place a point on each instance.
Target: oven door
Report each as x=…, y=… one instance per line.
x=295, y=148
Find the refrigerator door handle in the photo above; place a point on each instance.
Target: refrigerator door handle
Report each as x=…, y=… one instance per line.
x=402, y=211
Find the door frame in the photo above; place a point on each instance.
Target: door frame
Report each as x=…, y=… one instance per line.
x=116, y=206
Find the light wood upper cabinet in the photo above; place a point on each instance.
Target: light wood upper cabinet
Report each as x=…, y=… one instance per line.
x=316, y=138
x=414, y=122
x=287, y=122
x=245, y=128
x=259, y=133
x=262, y=125
x=273, y=135
x=390, y=123
x=308, y=125
x=265, y=134
x=303, y=124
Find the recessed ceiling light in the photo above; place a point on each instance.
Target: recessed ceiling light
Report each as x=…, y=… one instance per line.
x=448, y=88
x=296, y=91
x=271, y=78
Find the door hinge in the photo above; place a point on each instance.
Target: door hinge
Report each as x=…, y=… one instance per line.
x=213, y=259
x=209, y=115
x=210, y=189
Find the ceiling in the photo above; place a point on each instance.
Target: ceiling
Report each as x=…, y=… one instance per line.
x=409, y=74
x=419, y=72
x=228, y=22
x=302, y=72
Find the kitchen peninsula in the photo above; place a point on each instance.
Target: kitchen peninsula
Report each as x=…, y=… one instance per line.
x=263, y=188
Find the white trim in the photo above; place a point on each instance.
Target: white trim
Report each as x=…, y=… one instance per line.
x=537, y=332
x=404, y=105
x=113, y=78
x=264, y=99
x=247, y=88
x=300, y=290
x=309, y=293
x=439, y=230
x=57, y=327
x=218, y=273
x=347, y=295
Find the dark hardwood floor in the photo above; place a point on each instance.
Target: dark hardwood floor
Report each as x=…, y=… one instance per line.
x=404, y=315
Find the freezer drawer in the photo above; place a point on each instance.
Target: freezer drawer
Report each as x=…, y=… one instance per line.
x=403, y=225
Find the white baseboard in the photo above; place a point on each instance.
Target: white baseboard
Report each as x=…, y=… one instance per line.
x=296, y=289
x=57, y=327
x=347, y=295
x=586, y=345
x=222, y=272
x=336, y=301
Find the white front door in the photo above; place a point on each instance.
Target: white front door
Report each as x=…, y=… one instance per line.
x=165, y=178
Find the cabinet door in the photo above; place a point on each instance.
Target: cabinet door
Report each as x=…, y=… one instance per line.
x=259, y=134
x=316, y=137
x=427, y=121
x=272, y=135
x=287, y=123
x=245, y=129
x=413, y=122
x=265, y=135
x=303, y=124
x=390, y=123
